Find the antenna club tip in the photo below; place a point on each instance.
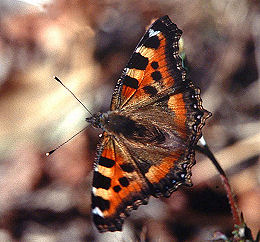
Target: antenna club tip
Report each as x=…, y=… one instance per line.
x=50, y=152
x=57, y=79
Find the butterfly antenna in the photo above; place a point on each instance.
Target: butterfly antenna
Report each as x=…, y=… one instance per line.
x=52, y=151
x=58, y=80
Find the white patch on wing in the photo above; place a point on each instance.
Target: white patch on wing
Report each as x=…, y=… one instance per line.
x=126, y=70
x=98, y=212
x=138, y=49
x=153, y=33
x=94, y=190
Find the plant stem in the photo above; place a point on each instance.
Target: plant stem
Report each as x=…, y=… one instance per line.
x=203, y=148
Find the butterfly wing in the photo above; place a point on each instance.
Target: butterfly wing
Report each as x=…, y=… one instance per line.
x=154, y=69
x=118, y=185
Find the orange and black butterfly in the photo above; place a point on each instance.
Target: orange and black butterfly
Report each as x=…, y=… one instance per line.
x=149, y=134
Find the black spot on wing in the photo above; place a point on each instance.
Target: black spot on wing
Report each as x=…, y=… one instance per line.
x=100, y=181
x=128, y=167
x=154, y=65
x=138, y=61
x=123, y=181
x=152, y=42
x=145, y=166
x=117, y=188
x=103, y=161
x=130, y=82
x=100, y=202
x=156, y=75
x=150, y=90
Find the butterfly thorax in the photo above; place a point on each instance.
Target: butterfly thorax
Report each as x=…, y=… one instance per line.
x=114, y=123
x=99, y=120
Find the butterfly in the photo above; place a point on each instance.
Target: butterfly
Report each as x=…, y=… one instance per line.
x=149, y=134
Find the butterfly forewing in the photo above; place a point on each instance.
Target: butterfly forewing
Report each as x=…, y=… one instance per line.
x=118, y=186
x=154, y=69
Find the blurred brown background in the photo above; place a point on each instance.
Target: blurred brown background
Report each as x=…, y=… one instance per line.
x=87, y=44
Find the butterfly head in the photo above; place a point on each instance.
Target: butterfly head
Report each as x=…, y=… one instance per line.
x=98, y=120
